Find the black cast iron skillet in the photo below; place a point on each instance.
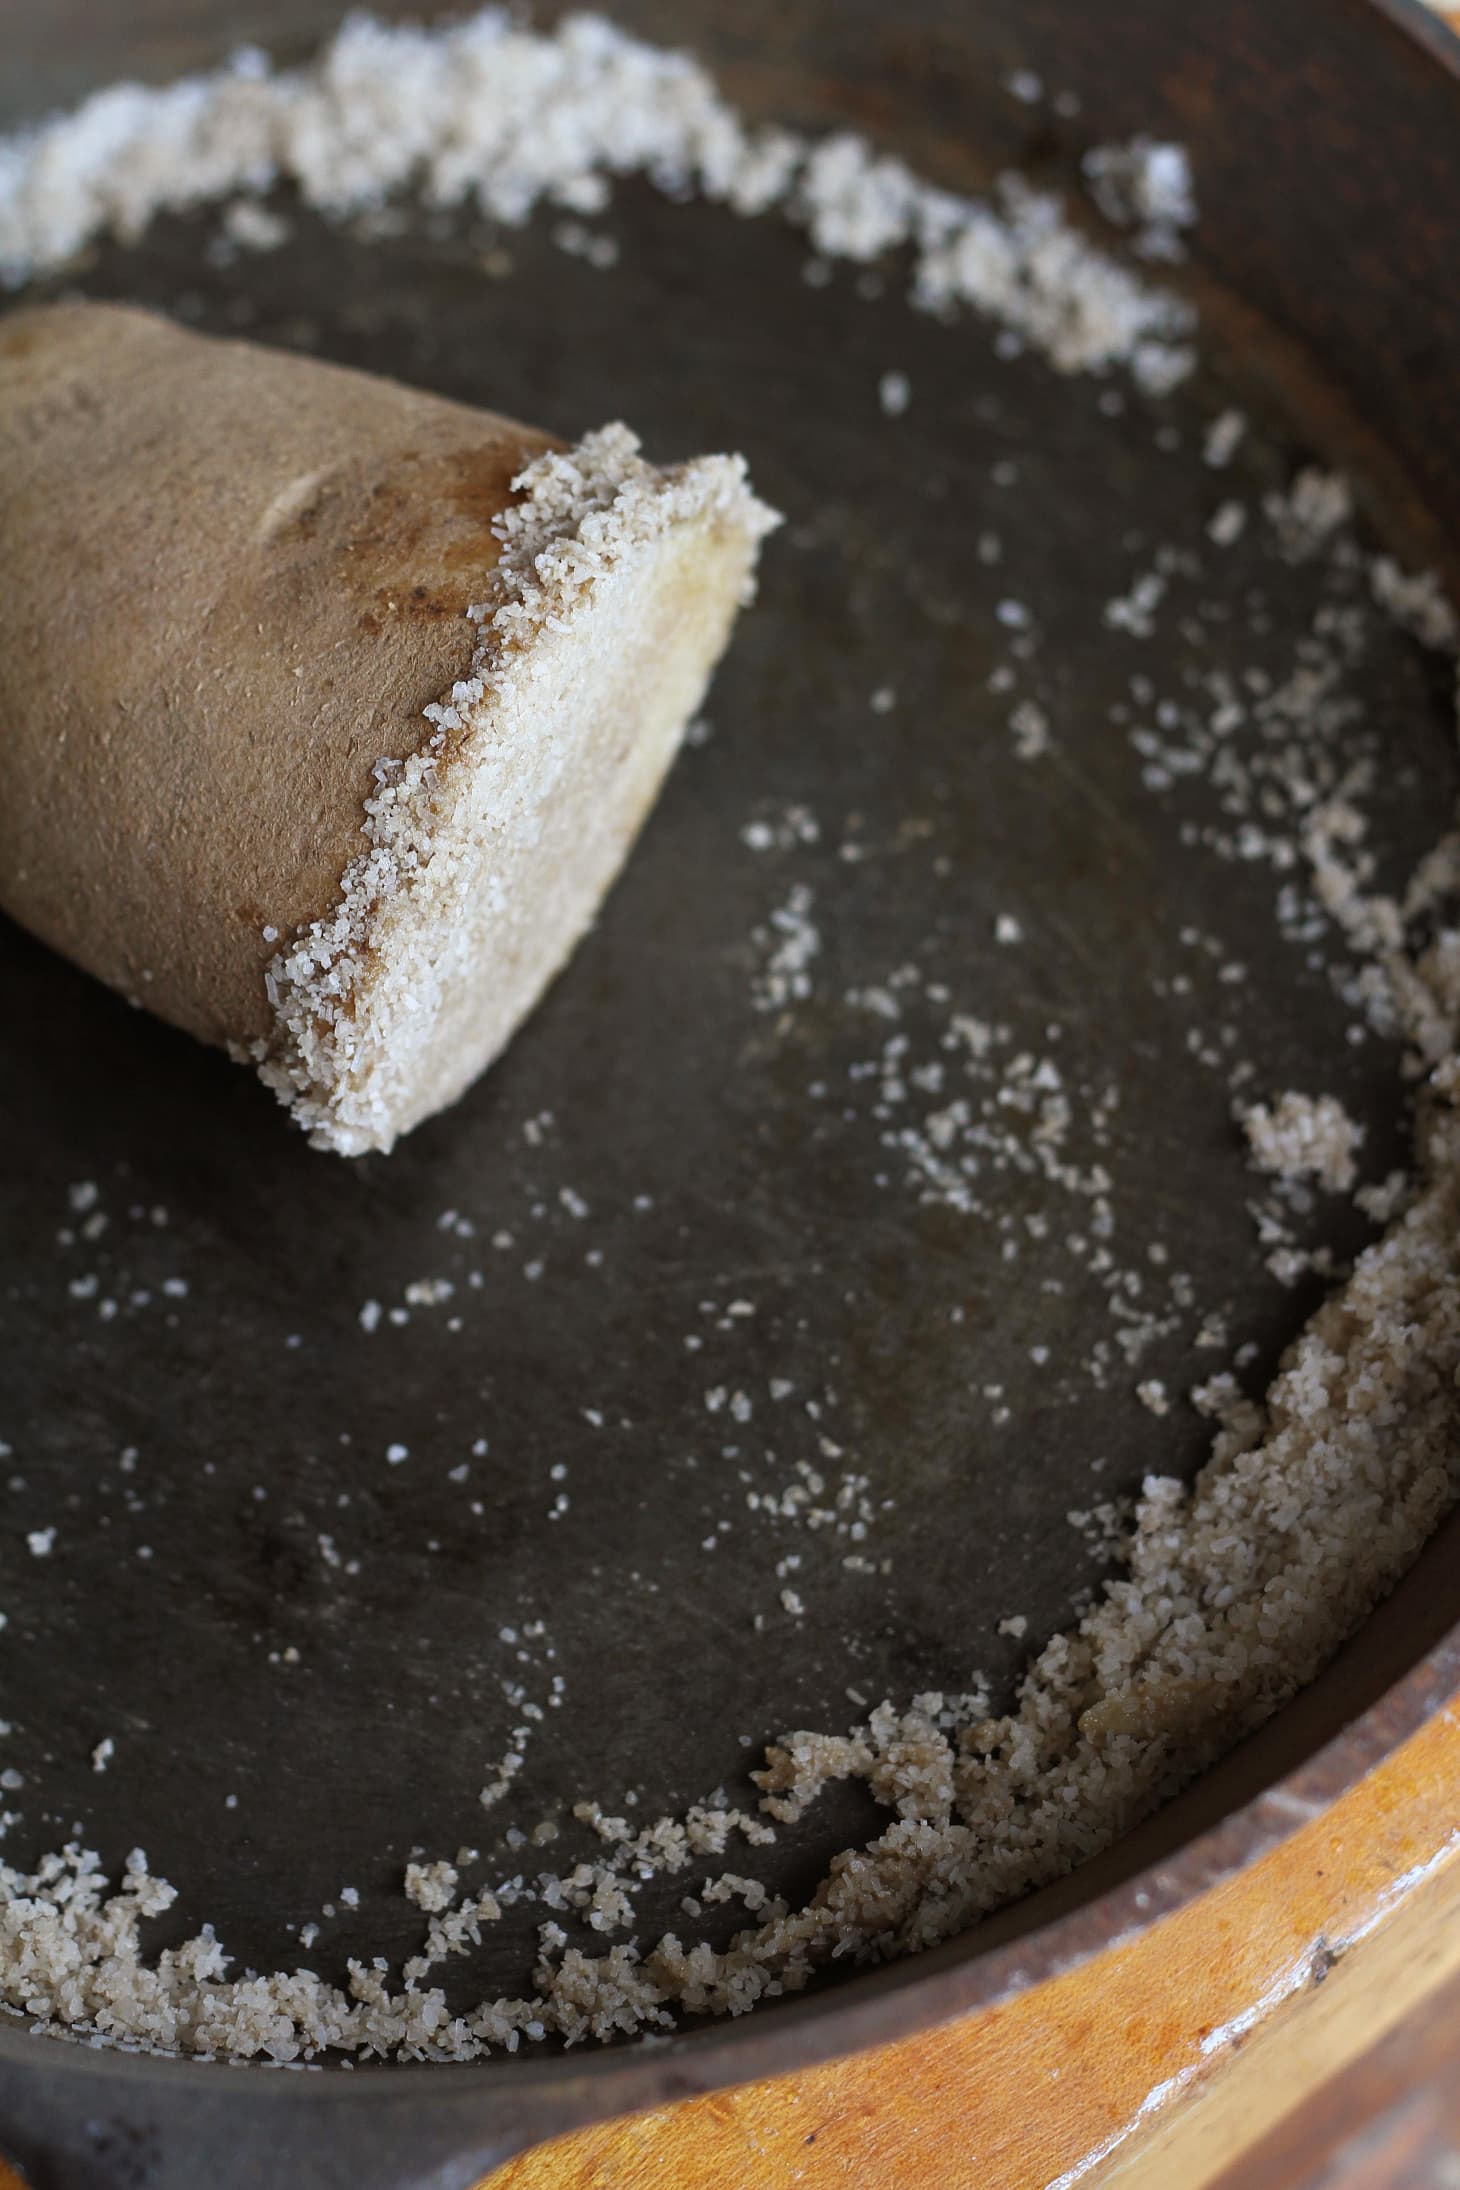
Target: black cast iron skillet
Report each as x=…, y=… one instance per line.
x=354, y=1715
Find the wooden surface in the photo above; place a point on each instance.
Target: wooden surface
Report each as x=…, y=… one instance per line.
x=1154, y=2066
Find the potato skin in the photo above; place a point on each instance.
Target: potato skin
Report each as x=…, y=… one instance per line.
x=233, y=579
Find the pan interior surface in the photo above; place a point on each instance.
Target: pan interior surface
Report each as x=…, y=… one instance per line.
x=787, y=1320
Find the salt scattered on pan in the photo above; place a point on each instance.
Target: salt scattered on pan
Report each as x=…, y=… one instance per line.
x=386, y=109
x=589, y=244
x=255, y=228
x=1223, y=437
x=1382, y=1201
x=792, y=942
x=432, y=1886
x=1030, y=727
x=1305, y=514
x=1146, y=186
x=1417, y=602
x=1227, y=523
x=1135, y=611
x=1304, y=1136
x=794, y=825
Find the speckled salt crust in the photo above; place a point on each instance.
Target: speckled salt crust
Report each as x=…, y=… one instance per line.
x=387, y=109
x=355, y=998
x=1237, y=1590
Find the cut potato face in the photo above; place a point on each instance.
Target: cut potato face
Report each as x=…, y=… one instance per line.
x=332, y=709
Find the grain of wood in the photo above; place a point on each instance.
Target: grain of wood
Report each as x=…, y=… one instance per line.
x=1206, y=2014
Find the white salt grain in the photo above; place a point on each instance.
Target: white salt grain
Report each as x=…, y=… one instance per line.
x=254, y=228
x=591, y=245
x=1304, y=1136
x=894, y=393
x=432, y=1886
x=1145, y=186
x=1227, y=523
x=1223, y=437
x=1417, y=602
x=793, y=942
x=1030, y=726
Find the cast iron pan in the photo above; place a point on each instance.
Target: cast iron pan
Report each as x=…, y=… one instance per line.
x=354, y=1714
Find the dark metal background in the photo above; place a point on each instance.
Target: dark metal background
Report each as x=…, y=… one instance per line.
x=664, y=1083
